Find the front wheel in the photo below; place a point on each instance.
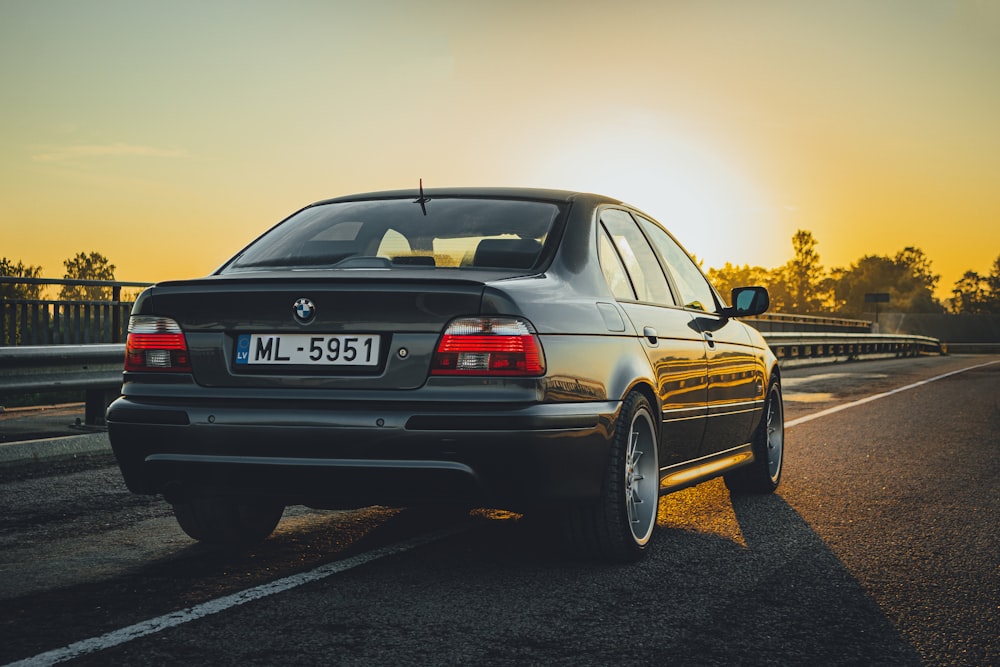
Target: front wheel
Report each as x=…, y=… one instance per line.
x=764, y=473
x=228, y=521
x=619, y=525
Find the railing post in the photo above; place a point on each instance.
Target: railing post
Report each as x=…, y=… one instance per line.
x=22, y=322
x=4, y=340
x=116, y=315
x=96, y=403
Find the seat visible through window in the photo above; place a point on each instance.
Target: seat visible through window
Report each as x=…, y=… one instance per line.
x=507, y=253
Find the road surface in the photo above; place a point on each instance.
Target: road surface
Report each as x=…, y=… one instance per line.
x=881, y=547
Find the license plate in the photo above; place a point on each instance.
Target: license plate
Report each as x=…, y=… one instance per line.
x=308, y=350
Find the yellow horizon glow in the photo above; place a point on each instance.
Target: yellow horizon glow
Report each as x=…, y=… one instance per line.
x=167, y=137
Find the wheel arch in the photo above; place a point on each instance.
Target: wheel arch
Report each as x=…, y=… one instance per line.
x=633, y=372
x=773, y=375
x=645, y=387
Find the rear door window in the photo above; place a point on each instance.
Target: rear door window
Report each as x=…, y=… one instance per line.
x=695, y=292
x=637, y=256
x=614, y=271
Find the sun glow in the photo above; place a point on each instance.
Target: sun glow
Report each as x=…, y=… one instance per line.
x=734, y=126
x=706, y=509
x=698, y=192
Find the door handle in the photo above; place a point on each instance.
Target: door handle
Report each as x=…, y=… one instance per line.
x=650, y=334
x=709, y=339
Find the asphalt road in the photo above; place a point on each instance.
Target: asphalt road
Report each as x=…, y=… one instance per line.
x=881, y=547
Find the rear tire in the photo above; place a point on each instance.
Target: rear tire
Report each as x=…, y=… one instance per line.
x=764, y=474
x=620, y=524
x=228, y=521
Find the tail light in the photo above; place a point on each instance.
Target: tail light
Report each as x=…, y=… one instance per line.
x=156, y=344
x=504, y=346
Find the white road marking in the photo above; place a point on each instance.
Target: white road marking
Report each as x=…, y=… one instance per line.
x=154, y=625
x=822, y=377
x=869, y=399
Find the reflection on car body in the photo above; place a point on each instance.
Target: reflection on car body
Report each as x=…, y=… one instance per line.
x=533, y=350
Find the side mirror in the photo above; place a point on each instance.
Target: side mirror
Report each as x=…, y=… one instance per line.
x=747, y=302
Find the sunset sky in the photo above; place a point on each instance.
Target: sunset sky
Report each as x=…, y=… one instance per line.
x=166, y=135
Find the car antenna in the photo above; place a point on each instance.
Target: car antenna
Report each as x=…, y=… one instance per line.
x=423, y=200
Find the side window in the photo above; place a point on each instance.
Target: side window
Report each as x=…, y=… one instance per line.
x=694, y=289
x=640, y=261
x=613, y=270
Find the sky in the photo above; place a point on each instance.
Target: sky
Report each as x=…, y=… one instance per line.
x=167, y=135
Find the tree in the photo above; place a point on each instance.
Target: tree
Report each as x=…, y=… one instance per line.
x=798, y=286
x=977, y=294
x=804, y=275
x=729, y=276
x=907, y=278
x=802, y=286
x=915, y=289
x=918, y=266
x=970, y=296
x=779, y=290
x=993, y=284
x=19, y=270
x=83, y=266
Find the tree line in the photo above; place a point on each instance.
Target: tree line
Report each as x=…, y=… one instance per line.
x=81, y=266
x=803, y=286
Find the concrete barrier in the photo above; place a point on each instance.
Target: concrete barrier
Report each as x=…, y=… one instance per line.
x=49, y=448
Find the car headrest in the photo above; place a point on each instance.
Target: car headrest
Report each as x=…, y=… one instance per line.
x=507, y=253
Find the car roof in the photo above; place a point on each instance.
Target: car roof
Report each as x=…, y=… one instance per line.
x=472, y=192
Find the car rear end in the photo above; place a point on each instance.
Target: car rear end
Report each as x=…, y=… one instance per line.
x=365, y=351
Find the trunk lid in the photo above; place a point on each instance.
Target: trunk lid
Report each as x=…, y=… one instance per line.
x=395, y=320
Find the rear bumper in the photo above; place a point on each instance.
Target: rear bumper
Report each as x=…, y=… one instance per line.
x=337, y=455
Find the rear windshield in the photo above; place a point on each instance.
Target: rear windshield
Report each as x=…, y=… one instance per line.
x=456, y=232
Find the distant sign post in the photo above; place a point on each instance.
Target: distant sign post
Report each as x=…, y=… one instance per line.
x=877, y=298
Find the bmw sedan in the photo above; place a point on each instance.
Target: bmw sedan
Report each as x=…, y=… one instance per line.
x=532, y=350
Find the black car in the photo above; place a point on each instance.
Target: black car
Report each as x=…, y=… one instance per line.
x=532, y=350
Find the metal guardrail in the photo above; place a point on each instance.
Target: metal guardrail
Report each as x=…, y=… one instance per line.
x=801, y=348
x=774, y=322
x=96, y=369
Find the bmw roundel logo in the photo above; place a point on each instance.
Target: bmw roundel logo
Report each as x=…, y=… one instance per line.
x=305, y=310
